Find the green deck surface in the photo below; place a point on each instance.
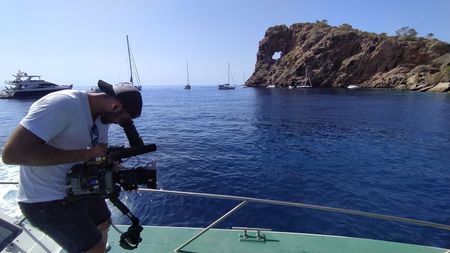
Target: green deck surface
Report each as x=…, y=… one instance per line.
x=167, y=239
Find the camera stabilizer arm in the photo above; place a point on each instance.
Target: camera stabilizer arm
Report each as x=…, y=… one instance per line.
x=132, y=237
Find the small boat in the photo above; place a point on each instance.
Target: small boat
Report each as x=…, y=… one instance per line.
x=307, y=83
x=94, y=89
x=353, y=86
x=270, y=86
x=187, y=86
x=243, y=85
x=29, y=86
x=227, y=86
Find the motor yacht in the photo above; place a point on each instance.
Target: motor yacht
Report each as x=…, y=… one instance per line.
x=29, y=86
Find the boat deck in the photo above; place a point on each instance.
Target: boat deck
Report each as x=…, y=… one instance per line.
x=163, y=239
x=167, y=239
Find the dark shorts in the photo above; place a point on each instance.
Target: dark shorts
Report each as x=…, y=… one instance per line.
x=73, y=224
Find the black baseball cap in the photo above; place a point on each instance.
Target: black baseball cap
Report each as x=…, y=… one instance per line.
x=129, y=96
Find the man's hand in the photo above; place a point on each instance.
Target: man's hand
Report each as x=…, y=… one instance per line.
x=100, y=150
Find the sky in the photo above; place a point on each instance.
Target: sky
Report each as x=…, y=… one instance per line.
x=80, y=42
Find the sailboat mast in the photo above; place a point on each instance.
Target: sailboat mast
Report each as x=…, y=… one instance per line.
x=129, y=60
x=307, y=77
x=187, y=71
x=228, y=73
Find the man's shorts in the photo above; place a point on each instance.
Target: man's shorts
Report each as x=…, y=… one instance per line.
x=72, y=224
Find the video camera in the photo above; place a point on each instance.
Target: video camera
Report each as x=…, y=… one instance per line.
x=105, y=176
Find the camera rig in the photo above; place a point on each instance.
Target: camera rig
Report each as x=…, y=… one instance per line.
x=105, y=176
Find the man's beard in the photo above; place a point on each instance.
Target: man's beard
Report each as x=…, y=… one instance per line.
x=107, y=117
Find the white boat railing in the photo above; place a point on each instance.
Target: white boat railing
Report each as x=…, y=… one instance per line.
x=302, y=205
x=246, y=200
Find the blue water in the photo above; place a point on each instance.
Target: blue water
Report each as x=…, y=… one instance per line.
x=369, y=150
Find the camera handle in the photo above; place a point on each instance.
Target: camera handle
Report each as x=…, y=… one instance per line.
x=128, y=240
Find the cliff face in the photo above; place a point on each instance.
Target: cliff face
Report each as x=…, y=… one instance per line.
x=338, y=56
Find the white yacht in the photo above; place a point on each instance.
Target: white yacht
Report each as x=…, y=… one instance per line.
x=29, y=86
x=352, y=86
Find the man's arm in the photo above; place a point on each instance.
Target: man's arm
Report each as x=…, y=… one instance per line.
x=25, y=148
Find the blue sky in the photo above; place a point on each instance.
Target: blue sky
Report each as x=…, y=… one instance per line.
x=80, y=42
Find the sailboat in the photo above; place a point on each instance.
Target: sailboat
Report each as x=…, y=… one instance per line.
x=227, y=86
x=243, y=85
x=307, y=83
x=187, y=86
x=135, y=82
x=134, y=76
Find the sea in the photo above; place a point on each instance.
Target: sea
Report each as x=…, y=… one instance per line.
x=380, y=151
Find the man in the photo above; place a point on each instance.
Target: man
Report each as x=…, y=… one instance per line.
x=61, y=129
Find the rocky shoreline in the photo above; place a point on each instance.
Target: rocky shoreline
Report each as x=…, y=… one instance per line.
x=342, y=56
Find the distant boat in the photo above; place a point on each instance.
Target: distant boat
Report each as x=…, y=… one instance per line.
x=134, y=76
x=94, y=89
x=227, y=86
x=29, y=86
x=243, y=85
x=134, y=81
x=270, y=86
x=187, y=86
x=353, y=86
x=307, y=83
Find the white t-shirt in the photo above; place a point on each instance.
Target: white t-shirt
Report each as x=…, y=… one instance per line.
x=63, y=120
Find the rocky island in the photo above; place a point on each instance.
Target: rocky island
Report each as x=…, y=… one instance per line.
x=343, y=56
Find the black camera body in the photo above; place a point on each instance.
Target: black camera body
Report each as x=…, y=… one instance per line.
x=105, y=176
x=84, y=180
